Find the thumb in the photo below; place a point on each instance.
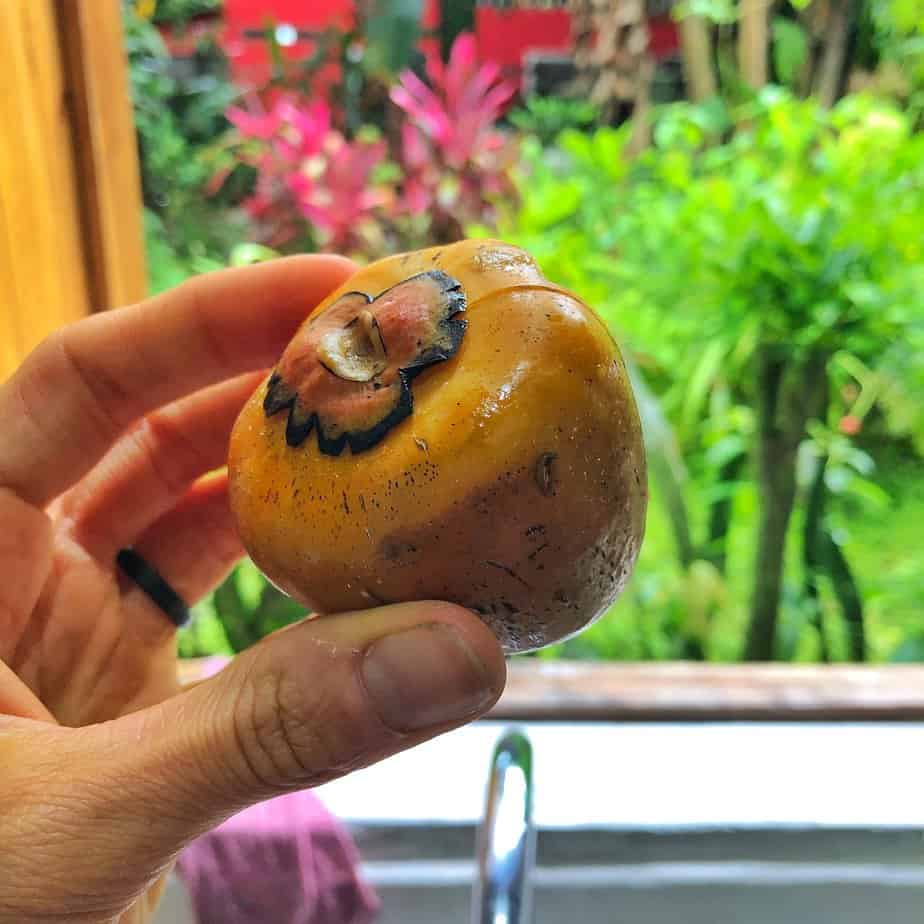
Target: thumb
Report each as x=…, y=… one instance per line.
x=310, y=703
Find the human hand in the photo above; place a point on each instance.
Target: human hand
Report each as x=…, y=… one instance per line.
x=107, y=769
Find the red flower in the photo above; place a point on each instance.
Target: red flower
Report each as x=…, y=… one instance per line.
x=307, y=170
x=850, y=425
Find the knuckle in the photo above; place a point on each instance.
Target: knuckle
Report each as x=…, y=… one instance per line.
x=294, y=733
x=196, y=294
x=174, y=458
x=108, y=401
x=275, y=743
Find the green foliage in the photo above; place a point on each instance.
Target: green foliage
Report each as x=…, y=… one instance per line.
x=381, y=42
x=723, y=12
x=180, y=122
x=790, y=49
x=756, y=220
x=244, y=609
x=802, y=233
x=179, y=12
x=900, y=34
x=773, y=229
x=392, y=32
x=547, y=117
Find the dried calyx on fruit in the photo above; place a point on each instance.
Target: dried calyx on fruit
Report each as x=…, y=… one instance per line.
x=347, y=374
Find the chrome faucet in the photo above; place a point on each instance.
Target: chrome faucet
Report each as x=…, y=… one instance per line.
x=507, y=837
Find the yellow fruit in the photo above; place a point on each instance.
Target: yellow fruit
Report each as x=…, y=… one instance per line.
x=448, y=425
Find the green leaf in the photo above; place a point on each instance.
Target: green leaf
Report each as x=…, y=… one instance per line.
x=790, y=49
x=250, y=584
x=704, y=374
x=392, y=33
x=870, y=493
x=719, y=11
x=726, y=449
x=248, y=253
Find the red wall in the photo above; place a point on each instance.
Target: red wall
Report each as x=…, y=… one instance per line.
x=504, y=36
x=248, y=55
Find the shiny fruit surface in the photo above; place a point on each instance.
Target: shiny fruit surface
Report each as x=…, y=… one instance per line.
x=497, y=463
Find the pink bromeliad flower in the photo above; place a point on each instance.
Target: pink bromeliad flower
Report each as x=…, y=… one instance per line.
x=453, y=156
x=307, y=170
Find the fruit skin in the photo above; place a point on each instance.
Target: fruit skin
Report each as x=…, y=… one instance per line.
x=517, y=487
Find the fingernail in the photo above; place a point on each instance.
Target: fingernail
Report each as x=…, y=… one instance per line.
x=425, y=677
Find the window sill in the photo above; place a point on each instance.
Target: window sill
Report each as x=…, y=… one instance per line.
x=685, y=691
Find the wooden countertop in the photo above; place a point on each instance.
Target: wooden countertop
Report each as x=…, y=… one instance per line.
x=679, y=691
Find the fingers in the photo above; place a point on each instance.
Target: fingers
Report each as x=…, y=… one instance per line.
x=152, y=466
x=194, y=546
x=79, y=390
x=25, y=562
x=312, y=702
x=16, y=699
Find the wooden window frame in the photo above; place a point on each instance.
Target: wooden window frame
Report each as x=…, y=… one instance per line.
x=71, y=213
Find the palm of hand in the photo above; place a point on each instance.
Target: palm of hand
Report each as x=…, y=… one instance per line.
x=109, y=431
x=86, y=641
x=84, y=652
x=84, y=644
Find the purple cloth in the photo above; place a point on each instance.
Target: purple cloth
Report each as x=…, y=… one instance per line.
x=285, y=861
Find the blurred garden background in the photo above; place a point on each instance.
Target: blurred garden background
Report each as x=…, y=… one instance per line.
x=737, y=186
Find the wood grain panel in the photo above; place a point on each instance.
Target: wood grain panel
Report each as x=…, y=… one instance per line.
x=71, y=235
x=43, y=280
x=106, y=149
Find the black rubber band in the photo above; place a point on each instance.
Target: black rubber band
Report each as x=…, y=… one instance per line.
x=151, y=582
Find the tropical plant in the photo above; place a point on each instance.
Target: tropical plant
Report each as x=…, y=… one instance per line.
x=547, y=117
x=314, y=189
x=178, y=12
x=456, y=162
x=354, y=61
x=180, y=124
x=750, y=282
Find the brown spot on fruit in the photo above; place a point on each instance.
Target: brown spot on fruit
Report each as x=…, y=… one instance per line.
x=545, y=473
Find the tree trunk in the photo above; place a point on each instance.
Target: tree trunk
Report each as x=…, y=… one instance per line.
x=788, y=395
x=753, y=42
x=830, y=76
x=698, y=71
x=776, y=471
x=813, y=534
x=641, y=113
x=848, y=595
